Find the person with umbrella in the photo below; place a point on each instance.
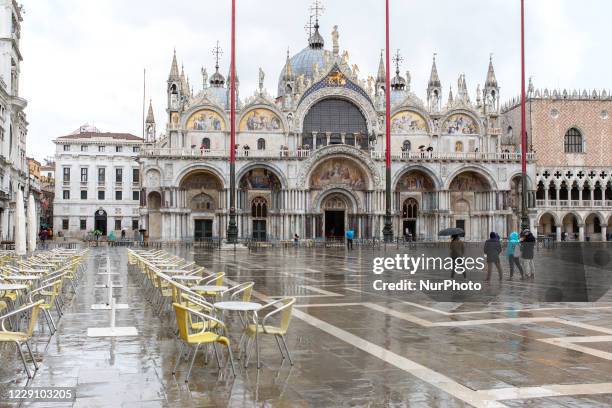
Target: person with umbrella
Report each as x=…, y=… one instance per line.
x=456, y=246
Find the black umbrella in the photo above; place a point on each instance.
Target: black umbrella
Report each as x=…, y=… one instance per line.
x=421, y=147
x=451, y=231
x=430, y=149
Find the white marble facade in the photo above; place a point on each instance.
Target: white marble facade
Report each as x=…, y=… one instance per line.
x=311, y=159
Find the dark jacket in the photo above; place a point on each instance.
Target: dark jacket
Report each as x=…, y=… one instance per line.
x=492, y=249
x=456, y=248
x=528, y=246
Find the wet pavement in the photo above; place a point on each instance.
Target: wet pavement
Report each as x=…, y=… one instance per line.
x=352, y=346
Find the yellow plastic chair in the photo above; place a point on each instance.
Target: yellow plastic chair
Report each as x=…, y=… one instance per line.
x=22, y=337
x=49, y=293
x=285, y=308
x=189, y=339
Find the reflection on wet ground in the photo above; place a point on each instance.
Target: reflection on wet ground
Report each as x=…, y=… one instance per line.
x=351, y=346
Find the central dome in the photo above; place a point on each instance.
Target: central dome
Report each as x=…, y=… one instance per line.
x=304, y=61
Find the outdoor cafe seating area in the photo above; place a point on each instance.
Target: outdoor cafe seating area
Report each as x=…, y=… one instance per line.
x=44, y=282
x=211, y=316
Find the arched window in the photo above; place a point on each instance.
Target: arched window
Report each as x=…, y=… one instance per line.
x=205, y=144
x=335, y=116
x=573, y=141
x=261, y=144
x=410, y=208
x=459, y=147
x=406, y=146
x=259, y=208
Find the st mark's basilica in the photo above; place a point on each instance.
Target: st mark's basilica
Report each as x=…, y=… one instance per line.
x=310, y=159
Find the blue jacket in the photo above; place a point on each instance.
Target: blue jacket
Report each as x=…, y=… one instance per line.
x=513, y=241
x=350, y=234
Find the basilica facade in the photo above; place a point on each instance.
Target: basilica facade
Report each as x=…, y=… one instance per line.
x=310, y=159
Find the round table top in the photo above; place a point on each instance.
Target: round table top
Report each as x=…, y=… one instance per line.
x=186, y=277
x=209, y=288
x=238, y=306
x=12, y=286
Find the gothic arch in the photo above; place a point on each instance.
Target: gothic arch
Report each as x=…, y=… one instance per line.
x=262, y=105
x=415, y=167
x=552, y=214
x=185, y=116
x=339, y=151
x=187, y=170
x=268, y=166
x=579, y=219
x=476, y=169
x=465, y=112
x=411, y=108
x=530, y=185
x=317, y=205
x=361, y=102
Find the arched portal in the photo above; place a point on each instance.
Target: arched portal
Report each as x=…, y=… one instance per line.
x=100, y=221
x=260, y=198
x=201, y=191
x=570, y=227
x=415, y=190
x=547, y=225
x=592, y=225
x=471, y=193
x=336, y=209
x=154, y=203
x=330, y=121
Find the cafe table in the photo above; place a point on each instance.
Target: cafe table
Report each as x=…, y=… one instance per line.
x=243, y=307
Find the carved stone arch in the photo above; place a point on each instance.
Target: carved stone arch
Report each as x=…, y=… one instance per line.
x=530, y=184
x=337, y=151
x=473, y=115
x=361, y=102
x=218, y=110
x=264, y=105
x=554, y=216
x=152, y=177
x=268, y=166
x=415, y=109
x=415, y=167
x=317, y=205
x=185, y=171
x=476, y=169
x=579, y=218
x=598, y=214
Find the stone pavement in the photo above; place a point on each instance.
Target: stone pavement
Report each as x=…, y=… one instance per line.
x=352, y=346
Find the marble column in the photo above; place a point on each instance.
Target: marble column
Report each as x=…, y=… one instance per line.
x=558, y=238
x=581, y=232
x=604, y=232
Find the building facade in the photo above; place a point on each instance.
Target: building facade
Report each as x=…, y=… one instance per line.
x=97, y=183
x=310, y=159
x=572, y=138
x=13, y=123
x=47, y=181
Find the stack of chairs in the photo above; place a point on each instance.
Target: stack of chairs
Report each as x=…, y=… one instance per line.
x=47, y=280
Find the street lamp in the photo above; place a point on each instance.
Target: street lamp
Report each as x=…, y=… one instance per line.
x=232, y=228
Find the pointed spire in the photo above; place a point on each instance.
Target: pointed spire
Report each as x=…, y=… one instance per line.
x=434, y=79
x=450, y=96
x=382, y=75
x=150, y=117
x=288, y=68
x=491, y=80
x=316, y=40
x=174, y=72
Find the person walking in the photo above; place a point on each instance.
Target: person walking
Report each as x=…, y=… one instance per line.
x=350, y=234
x=456, y=251
x=527, y=253
x=492, y=249
x=513, y=252
x=296, y=240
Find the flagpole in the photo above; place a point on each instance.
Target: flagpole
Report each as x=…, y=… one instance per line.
x=524, y=201
x=232, y=228
x=388, y=228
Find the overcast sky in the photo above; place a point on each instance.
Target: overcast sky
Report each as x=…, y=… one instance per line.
x=84, y=60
